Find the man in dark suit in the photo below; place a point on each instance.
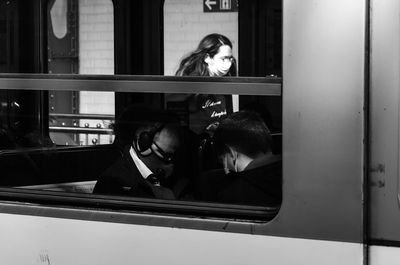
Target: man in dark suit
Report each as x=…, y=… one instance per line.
x=251, y=174
x=147, y=162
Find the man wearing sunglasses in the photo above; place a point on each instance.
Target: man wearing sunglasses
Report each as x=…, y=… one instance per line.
x=147, y=162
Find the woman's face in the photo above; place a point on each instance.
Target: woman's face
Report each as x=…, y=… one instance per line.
x=220, y=64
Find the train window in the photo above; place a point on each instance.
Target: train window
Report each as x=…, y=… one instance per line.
x=192, y=148
x=113, y=60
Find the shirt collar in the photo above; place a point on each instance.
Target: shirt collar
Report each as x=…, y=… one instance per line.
x=143, y=169
x=263, y=160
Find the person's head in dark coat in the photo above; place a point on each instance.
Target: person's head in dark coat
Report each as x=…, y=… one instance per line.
x=155, y=136
x=241, y=138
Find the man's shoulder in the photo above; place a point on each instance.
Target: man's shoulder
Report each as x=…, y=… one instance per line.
x=121, y=169
x=119, y=178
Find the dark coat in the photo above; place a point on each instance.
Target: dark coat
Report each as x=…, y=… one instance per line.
x=124, y=179
x=259, y=186
x=207, y=110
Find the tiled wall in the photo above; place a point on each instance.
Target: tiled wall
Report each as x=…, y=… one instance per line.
x=96, y=56
x=96, y=37
x=96, y=51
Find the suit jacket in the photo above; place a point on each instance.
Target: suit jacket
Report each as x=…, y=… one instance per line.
x=123, y=178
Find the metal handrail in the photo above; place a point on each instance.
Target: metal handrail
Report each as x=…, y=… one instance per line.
x=66, y=129
x=263, y=86
x=83, y=116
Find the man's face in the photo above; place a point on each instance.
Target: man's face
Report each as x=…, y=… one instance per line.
x=163, y=150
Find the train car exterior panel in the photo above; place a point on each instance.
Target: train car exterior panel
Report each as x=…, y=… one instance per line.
x=323, y=120
x=385, y=82
x=380, y=255
x=66, y=241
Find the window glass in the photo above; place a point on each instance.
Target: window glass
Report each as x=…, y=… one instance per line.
x=74, y=141
x=193, y=149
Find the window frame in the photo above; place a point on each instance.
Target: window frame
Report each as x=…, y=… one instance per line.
x=260, y=86
x=144, y=84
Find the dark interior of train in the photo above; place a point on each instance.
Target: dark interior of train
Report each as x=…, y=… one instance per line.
x=43, y=139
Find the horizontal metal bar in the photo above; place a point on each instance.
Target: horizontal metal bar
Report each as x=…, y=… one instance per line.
x=149, y=84
x=83, y=116
x=80, y=130
x=132, y=204
x=58, y=149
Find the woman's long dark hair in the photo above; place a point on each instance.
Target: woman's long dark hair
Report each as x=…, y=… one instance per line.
x=194, y=64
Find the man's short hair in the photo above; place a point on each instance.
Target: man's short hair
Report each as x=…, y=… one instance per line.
x=134, y=120
x=245, y=131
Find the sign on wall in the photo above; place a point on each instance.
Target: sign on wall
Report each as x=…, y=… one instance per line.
x=220, y=6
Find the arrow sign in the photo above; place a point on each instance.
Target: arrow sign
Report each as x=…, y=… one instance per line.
x=208, y=3
x=210, y=6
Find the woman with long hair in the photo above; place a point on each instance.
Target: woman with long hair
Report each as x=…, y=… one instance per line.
x=213, y=57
